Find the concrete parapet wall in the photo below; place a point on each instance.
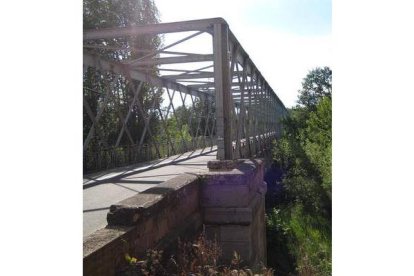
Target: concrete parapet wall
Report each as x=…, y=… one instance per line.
x=151, y=219
x=229, y=203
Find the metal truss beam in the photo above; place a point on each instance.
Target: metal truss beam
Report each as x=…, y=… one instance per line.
x=247, y=110
x=162, y=28
x=119, y=68
x=222, y=92
x=200, y=75
x=173, y=60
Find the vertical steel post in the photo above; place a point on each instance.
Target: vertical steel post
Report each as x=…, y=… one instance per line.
x=223, y=92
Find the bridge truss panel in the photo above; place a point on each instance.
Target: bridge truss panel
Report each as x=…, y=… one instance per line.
x=175, y=99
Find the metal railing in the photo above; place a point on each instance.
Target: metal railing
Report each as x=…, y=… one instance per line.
x=200, y=90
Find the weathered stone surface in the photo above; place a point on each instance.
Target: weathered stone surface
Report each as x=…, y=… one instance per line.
x=234, y=188
x=233, y=208
x=225, y=165
x=235, y=233
x=232, y=215
x=212, y=232
x=130, y=210
x=101, y=238
x=228, y=215
x=163, y=213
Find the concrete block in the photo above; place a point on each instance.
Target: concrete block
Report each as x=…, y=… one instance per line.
x=225, y=196
x=235, y=233
x=170, y=195
x=233, y=188
x=228, y=215
x=223, y=164
x=232, y=215
x=233, y=207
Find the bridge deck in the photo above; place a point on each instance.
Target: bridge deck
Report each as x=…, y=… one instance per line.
x=103, y=189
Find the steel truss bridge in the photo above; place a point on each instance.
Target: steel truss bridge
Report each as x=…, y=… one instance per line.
x=200, y=90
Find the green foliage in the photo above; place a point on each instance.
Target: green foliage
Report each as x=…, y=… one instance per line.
x=115, y=13
x=312, y=241
x=318, y=142
x=304, y=153
x=151, y=265
x=279, y=255
x=196, y=117
x=298, y=241
x=109, y=14
x=178, y=133
x=99, y=14
x=174, y=131
x=316, y=85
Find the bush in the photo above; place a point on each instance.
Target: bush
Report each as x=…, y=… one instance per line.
x=198, y=258
x=299, y=228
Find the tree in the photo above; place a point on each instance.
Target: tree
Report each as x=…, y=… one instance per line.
x=318, y=142
x=108, y=14
x=115, y=13
x=196, y=118
x=316, y=85
x=301, y=225
x=304, y=151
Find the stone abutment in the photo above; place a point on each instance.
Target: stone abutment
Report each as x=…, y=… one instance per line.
x=228, y=202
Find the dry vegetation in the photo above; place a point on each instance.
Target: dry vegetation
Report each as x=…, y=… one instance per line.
x=198, y=258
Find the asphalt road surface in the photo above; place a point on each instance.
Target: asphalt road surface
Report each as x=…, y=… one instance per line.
x=101, y=190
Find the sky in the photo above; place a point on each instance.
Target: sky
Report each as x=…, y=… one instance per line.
x=284, y=38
